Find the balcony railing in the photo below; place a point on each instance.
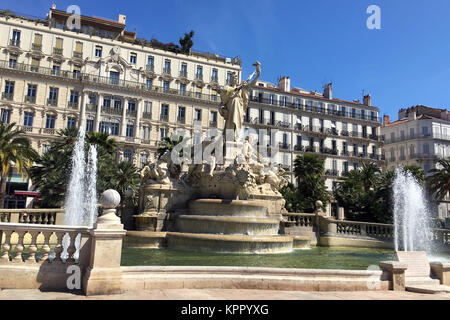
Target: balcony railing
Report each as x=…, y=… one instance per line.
x=213, y=124
x=181, y=119
x=109, y=110
x=58, y=51
x=49, y=130
x=294, y=105
x=52, y=102
x=183, y=73
x=73, y=104
x=199, y=76
x=30, y=99
x=284, y=146
x=164, y=117
x=167, y=71
x=423, y=156
x=298, y=147
x=214, y=79
x=14, y=43
x=131, y=113
x=332, y=173
x=150, y=67
x=409, y=137
x=78, y=55
x=36, y=47
x=147, y=115
x=8, y=96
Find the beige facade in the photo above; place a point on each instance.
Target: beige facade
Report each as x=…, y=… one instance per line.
x=105, y=80
x=344, y=133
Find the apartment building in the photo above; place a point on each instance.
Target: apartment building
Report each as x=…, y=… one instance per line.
x=344, y=133
x=104, y=78
x=420, y=137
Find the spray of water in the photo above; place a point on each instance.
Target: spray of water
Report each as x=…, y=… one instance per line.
x=412, y=220
x=81, y=198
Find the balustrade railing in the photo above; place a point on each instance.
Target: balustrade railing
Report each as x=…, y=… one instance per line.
x=21, y=243
x=31, y=216
x=298, y=219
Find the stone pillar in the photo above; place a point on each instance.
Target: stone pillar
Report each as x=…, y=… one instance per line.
x=103, y=275
x=396, y=272
x=138, y=118
x=441, y=270
x=98, y=115
x=124, y=118
x=341, y=213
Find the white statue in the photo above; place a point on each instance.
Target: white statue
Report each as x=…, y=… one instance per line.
x=235, y=99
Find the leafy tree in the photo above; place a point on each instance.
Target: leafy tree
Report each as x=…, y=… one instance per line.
x=167, y=144
x=52, y=170
x=309, y=172
x=186, y=43
x=16, y=150
x=438, y=182
x=417, y=172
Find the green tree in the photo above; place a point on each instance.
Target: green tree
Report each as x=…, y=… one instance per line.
x=15, y=150
x=438, y=182
x=309, y=172
x=52, y=170
x=417, y=172
x=125, y=177
x=186, y=43
x=167, y=144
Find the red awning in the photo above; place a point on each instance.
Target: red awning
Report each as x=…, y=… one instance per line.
x=27, y=193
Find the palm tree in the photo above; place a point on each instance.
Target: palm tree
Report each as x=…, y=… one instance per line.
x=439, y=180
x=102, y=141
x=16, y=150
x=125, y=177
x=417, y=172
x=167, y=144
x=369, y=173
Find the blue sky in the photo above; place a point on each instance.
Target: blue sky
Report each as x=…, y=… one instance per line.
x=405, y=63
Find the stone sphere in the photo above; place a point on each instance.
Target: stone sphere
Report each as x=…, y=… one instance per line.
x=110, y=199
x=319, y=204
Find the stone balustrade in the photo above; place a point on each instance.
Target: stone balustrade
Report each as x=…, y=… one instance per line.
x=17, y=248
x=32, y=216
x=299, y=219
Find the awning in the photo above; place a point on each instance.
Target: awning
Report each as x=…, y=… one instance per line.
x=27, y=193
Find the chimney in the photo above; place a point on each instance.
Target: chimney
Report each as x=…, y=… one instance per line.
x=367, y=100
x=444, y=114
x=328, y=91
x=386, y=119
x=284, y=84
x=412, y=115
x=122, y=19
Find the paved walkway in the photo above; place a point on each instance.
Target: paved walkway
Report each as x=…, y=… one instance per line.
x=222, y=294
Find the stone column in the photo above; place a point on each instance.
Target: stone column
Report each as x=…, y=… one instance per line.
x=98, y=114
x=137, y=130
x=124, y=118
x=341, y=215
x=103, y=275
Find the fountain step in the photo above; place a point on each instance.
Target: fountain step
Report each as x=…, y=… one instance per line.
x=219, y=207
x=229, y=243
x=227, y=225
x=431, y=289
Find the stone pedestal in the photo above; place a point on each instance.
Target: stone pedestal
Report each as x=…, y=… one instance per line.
x=396, y=272
x=103, y=275
x=441, y=270
x=150, y=222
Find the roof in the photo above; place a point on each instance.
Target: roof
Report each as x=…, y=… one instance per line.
x=421, y=117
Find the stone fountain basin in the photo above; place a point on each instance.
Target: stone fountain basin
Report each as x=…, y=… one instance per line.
x=227, y=225
x=221, y=207
x=230, y=243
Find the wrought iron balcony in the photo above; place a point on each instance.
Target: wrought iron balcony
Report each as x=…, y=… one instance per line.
x=164, y=117
x=167, y=71
x=14, y=43
x=78, y=55
x=73, y=104
x=36, y=47
x=147, y=115
x=58, y=51
x=52, y=102
x=183, y=73
x=213, y=124
x=181, y=119
x=8, y=96
x=30, y=99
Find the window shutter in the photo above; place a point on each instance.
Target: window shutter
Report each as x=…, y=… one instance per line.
x=38, y=39
x=79, y=47
x=59, y=43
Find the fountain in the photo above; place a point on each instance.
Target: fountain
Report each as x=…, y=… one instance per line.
x=412, y=219
x=413, y=236
x=81, y=198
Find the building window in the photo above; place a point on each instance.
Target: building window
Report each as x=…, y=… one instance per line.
x=111, y=128
x=130, y=130
x=213, y=116
x=133, y=58
x=56, y=69
x=229, y=78
x=31, y=92
x=164, y=109
x=181, y=114
x=132, y=105
x=143, y=160
x=74, y=96
x=107, y=102
x=199, y=73
x=50, y=122
x=53, y=95
x=198, y=115
x=162, y=133
x=9, y=90
x=147, y=106
x=12, y=60
x=166, y=86
x=166, y=67
x=76, y=71
x=283, y=101
x=28, y=119
x=215, y=75
x=89, y=125
x=35, y=64
x=127, y=155
x=71, y=122
x=114, y=77
x=117, y=104
x=146, y=132
x=182, y=89
x=150, y=62
x=149, y=83
x=6, y=115
x=98, y=51
x=183, y=71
